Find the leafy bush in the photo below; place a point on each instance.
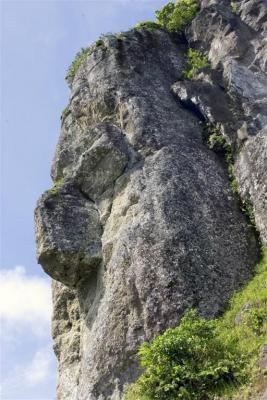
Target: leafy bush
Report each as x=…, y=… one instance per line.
x=147, y=25
x=217, y=142
x=201, y=359
x=80, y=57
x=174, y=17
x=188, y=362
x=195, y=61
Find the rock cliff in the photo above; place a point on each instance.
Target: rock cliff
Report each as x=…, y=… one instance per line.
x=142, y=222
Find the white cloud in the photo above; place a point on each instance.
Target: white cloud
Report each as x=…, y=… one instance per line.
x=38, y=370
x=28, y=364
x=24, y=377
x=24, y=300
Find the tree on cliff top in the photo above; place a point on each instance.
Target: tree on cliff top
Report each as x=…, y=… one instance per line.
x=174, y=17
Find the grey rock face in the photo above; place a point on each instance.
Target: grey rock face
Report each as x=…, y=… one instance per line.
x=69, y=236
x=236, y=45
x=145, y=224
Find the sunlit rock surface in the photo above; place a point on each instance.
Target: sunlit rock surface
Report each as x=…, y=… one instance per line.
x=144, y=223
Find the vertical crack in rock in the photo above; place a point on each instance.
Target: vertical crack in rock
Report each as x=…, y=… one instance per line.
x=144, y=224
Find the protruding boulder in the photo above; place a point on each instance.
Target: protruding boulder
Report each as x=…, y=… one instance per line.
x=68, y=233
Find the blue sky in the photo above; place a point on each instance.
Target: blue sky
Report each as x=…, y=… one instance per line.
x=39, y=39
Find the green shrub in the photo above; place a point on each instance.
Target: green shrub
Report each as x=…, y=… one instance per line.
x=217, y=142
x=195, y=61
x=54, y=191
x=99, y=42
x=80, y=57
x=201, y=359
x=148, y=25
x=188, y=362
x=174, y=17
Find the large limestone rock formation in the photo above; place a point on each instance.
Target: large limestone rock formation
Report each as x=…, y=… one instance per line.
x=142, y=222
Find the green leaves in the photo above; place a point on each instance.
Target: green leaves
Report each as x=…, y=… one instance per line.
x=174, y=17
x=54, y=191
x=202, y=359
x=195, y=60
x=150, y=25
x=218, y=143
x=80, y=57
x=187, y=362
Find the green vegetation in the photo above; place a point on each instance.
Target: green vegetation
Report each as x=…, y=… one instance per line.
x=99, y=42
x=65, y=112
x=245, y=205
x=80, y=57
x=234, y=7
x=174, y=17
x=119, y=36
x=111, y=36
x=218, y=143
x=203, y=359
x=245, y=325
x=148, y=25
x=189, y=362
x=195, y=60
x=54, y=191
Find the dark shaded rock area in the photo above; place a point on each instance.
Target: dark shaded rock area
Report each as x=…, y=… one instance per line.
x=145, y=223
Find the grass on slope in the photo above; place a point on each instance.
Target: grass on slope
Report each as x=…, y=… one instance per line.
x=245, y=325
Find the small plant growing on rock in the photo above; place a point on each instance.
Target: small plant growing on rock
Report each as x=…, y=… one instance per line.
x=174, y=17
x=217, y=142
x=80, y=57
x=233, y=181
x=54, y=191
x=195, y=60
x=234, y=7
x=65, y=112
x=150, y=25
x=99, y=42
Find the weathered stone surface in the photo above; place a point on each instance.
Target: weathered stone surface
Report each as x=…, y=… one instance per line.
x=68, y=235
x=237, y=47
x=145, y=224
x=66, y=332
